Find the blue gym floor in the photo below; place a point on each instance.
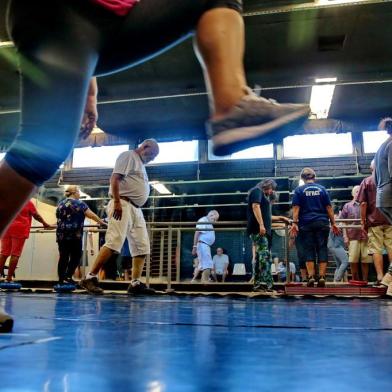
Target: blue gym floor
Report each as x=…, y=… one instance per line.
x=165, y=343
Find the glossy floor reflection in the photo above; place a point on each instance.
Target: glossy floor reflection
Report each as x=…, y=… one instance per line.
x=83, y=343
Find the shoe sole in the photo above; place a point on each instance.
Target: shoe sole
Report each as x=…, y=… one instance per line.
x=233, y=140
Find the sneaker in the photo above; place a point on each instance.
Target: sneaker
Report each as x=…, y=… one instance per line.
x=387, y=279
x=310, y=282
x=140, y=289
x=253, y=121
x=6, y=322
x=91, y=285
x=389, y=291
x=321, y=281
x=263, y=288
x=71, y=281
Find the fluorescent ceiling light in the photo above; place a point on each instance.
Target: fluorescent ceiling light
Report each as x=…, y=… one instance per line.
x=336, y=1
x=160, y=188
x=325, y=80
x=321, y=97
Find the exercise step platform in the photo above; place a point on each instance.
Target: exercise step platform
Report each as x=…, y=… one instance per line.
x=64, y=288
x=13, y=286
x=336, y=290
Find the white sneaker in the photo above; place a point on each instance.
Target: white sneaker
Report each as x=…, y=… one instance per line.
x=389, y=291
x=387, y=279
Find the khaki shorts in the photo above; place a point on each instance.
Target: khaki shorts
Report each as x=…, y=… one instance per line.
x=380, y=238
x=358, y=249
x=131, y=226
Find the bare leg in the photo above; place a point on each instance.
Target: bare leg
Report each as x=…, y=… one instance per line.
x=3, y=260
x=379, y=265
x=102, y=274
x=310, y=268
x=365, y=271
x=355, y=271
x=322, y=268
x=78, y=272
x=196, y=272
x=205, y=275
x=103, y=256
x=12, y=267
x=12, y=202
x=137, y=267
x=220, y=50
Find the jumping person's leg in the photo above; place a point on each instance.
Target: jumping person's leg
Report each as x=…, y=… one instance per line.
x=57, y=53
x=239, y=119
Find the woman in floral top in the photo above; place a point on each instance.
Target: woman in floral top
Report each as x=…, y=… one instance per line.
x=71, y=213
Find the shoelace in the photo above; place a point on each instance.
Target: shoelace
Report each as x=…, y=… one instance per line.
x=250, y=95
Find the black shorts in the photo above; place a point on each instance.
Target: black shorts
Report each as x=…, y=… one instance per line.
x=314, y=240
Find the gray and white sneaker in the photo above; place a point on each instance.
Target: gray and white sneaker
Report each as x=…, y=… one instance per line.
x=91, y=285
x=255, y=121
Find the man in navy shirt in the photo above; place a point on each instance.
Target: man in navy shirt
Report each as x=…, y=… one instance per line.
x=259, y=229
x=312, y=212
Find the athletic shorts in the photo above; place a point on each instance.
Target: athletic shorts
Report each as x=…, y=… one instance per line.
x=358, y=251
x=11, y=246
x=380, y=238
x=131, y=226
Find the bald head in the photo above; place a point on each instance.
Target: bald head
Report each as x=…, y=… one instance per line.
x=148, y=150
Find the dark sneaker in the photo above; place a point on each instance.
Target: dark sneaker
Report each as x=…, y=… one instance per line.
x=321, y=281
x=263, y=288
x=310, y=282
x=140, y=289
x=6, y=322
x=255, y=121
x=71, y=281
x=91, y=285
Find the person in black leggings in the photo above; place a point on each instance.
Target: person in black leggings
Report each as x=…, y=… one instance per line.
x=71, y=213
x=63, y=44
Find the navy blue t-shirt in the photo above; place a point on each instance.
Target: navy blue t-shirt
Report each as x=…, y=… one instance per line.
x=256, y=195
x=312, y=200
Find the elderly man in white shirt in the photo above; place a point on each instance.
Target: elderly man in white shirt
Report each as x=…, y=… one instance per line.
x=129, y=190
x=203, y=239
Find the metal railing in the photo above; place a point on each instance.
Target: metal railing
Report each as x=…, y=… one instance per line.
x=180, y=227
